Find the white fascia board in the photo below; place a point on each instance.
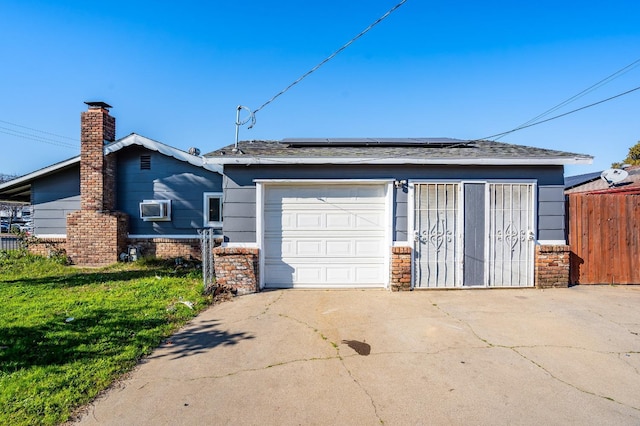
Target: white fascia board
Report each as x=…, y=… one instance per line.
x=134, y=139
x=557, y=161
x=41, y=172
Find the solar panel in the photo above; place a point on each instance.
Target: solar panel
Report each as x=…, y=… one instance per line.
x=387, y=142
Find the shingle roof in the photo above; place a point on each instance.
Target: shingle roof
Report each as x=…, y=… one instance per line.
x=391, y=151
x=571, y=181
x=597, y=184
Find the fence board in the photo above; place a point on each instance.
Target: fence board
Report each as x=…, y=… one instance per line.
x=604, y=236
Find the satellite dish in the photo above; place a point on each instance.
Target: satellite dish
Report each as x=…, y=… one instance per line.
x=613, y=176
x=194, y=151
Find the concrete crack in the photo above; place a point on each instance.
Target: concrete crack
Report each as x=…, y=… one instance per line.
x=341, y=358
x=268, y=306
x=515, y=349
x=355, y=380
x=466, y=324
x=540, y=366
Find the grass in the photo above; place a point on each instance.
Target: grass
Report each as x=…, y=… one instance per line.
x=66, y=333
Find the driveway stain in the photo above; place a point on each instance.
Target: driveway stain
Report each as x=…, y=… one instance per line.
x=362, y=348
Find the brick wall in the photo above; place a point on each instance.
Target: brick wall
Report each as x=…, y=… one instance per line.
x=552, y=266
x=48, y=246
x=401, y=268
x=96, y=238
x=166, y=248
x=237, y=268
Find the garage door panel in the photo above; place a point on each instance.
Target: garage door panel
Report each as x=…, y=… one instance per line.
x=340, y=248
x=325, y=235
x=309, y=220
x=309, y=248
x=339, y=220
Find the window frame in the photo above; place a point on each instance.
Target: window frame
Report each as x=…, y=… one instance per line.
x=207, y=196
x=165, y=207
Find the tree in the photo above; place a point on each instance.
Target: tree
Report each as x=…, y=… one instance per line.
x=633, y=157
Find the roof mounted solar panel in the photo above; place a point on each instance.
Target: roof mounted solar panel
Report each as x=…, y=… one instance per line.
x=386, y=142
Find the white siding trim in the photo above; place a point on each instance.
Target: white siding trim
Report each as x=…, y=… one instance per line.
x=239, y=245
x=167, y=237
x=50, y=235
x=401, y=244
x=260, y=231
x=551, y=242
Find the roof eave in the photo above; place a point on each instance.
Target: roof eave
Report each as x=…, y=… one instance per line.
x=249, y=160
x=135, y=139
x=39, y=173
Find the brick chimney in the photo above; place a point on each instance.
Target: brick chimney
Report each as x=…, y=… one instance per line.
x=96, y=234
x=97, y=174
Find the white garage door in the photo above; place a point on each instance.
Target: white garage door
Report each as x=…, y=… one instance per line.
x=325, y=236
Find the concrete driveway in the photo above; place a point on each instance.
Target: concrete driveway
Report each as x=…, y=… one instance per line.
x=559, y=356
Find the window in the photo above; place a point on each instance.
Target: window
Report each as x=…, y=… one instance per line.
x=213, y=209
x=155, y=210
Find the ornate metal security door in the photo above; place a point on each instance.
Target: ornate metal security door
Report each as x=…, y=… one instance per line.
x=510, y=235
x=437, y=235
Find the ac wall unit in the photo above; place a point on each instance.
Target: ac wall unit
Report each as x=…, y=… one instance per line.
x=155, y=210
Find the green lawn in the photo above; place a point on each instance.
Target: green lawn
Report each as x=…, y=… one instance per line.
x=67, y=333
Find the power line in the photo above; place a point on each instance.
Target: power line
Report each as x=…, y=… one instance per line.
x=36, y=138
x=583, y=92
x=558, y=116
x=39, y=131
x=328, y=58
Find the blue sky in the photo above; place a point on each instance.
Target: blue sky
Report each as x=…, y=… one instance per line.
x=176, y=71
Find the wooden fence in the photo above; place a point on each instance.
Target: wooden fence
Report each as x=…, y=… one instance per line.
x=604, y=237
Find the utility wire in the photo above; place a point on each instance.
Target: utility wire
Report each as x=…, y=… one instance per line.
x=583, y=93
x=39, y=131
x=557, y=116
x=36, y=138
x=363, y=32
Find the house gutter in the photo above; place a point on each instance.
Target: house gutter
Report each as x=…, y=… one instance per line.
x=248, y=160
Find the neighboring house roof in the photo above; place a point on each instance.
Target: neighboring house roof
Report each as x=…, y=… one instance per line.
x=390, y=151
x=598, y=184
x=571, y=181
x=19, y=189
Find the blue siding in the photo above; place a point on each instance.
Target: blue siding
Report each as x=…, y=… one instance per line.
x=53, y=198
x=168, y=179
x=240, y=196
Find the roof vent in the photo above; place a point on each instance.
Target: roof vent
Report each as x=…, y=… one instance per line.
x=194, y=151
x=145, y=162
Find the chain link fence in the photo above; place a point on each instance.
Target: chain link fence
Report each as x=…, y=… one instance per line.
x=207, y=242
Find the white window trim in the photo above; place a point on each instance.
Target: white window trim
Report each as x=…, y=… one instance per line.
x=205, y=209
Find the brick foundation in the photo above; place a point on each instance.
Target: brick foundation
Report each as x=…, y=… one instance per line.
x=166, y=248
x=400, y=268
x=237, y=268
x=48, y=246
x=552, y=266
